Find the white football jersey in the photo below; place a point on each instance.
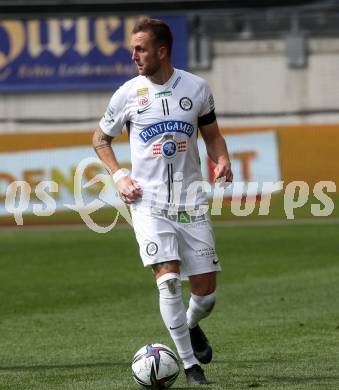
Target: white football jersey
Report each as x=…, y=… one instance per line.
x=162, y=122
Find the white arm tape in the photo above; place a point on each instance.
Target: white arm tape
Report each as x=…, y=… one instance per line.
x=119, y=174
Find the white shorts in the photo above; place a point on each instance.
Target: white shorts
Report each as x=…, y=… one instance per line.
x=162, y=237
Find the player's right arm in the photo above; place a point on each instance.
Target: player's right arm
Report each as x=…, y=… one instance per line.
x=103, y=148
x=129, y=190
x=110, y=126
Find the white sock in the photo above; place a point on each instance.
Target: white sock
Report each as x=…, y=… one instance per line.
x=174, y=316
x=199, y=308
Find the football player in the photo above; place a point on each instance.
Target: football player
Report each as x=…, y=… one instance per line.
x=163, y=108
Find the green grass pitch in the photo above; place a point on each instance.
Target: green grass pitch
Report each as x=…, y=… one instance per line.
x=76, y=305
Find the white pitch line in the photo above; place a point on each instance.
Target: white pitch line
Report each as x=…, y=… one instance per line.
x=278, y=222
x=227, y=223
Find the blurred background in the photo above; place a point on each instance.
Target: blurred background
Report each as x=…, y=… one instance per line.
x=273, y=70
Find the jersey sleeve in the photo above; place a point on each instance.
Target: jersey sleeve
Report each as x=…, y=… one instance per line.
x=116, y=114
x=206, y=114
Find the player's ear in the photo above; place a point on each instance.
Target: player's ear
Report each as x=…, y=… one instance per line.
x=162, y=51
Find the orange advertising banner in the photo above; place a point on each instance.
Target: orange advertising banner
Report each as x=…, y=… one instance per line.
x=265, y=160
x=306, y=152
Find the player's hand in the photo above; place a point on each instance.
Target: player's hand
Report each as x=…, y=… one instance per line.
x=223, y=170
x=129, y=189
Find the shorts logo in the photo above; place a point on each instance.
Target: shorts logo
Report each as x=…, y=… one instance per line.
x=169, y=147
x=207, y=252
x=180, y=216
x=184, y=217
x=186, y=103
x=152, y=248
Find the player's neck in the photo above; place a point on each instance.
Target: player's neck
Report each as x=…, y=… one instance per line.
x=162, y=75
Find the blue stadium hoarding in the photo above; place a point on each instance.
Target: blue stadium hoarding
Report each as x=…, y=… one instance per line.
x=83, y=53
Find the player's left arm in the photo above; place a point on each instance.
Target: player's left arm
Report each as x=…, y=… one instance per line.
x=217, y=150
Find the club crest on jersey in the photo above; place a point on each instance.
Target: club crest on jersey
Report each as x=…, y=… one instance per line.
x=186, y=103
x=151, y=248
x=169, y=147
x=143, y=96
x=109, y=117
x=166, y=127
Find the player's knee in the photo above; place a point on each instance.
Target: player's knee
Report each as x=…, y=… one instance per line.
x=205, y=302
x=169, y=286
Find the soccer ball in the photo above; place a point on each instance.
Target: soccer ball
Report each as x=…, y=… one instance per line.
x=155, y=366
